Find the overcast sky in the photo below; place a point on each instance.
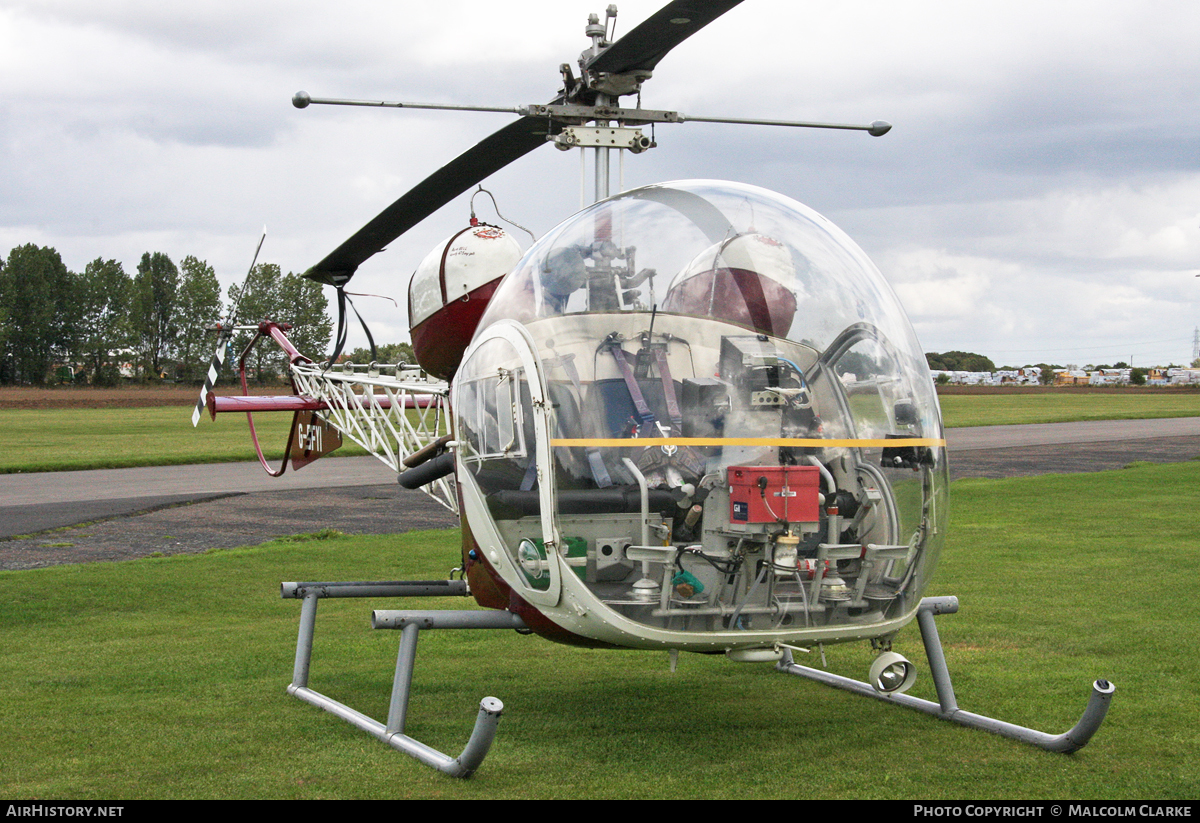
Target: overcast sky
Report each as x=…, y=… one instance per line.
x=1038, y=198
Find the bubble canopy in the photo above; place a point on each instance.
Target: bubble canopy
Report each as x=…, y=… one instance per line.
x=700, y=406
x=707, y=248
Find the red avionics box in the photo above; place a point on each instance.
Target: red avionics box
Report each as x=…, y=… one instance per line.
x=768, y=494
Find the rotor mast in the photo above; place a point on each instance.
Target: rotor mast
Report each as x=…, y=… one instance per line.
x=600, y=154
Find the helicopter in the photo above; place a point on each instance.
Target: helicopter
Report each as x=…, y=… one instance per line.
x=692, y=417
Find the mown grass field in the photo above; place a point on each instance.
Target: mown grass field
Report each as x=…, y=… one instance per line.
x=1066, y=407
x=165, y=677
x=65, y=439
x=57, y=439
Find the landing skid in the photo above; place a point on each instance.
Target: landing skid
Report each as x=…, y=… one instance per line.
x=410, y=624
x=947, y=708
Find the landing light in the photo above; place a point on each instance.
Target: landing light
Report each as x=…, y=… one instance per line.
x=531, y=559
x=892, y=673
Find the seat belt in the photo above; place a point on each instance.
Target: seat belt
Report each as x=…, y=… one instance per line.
x=664, y=374
x=645, y=416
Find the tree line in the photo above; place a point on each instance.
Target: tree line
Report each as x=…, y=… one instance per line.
x=959, y=361
x=103, y=324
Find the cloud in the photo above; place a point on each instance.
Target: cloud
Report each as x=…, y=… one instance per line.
x=1036, y=193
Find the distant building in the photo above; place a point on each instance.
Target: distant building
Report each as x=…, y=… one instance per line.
x=1009, y=377
x=1183, y=376
x=1071, y=377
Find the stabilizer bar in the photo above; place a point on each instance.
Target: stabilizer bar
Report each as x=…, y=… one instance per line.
x=947, y=707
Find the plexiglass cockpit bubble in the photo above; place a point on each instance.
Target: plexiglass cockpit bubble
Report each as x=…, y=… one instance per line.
x=720, y=406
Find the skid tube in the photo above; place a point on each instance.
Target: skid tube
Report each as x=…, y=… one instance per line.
x=410, y=624
x=947, y=707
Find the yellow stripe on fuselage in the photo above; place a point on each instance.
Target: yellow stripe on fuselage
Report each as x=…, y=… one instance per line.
x=803, y=442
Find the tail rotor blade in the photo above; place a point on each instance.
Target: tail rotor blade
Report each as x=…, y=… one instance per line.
x=224, y=335
x=250, y=271
x=210, y=380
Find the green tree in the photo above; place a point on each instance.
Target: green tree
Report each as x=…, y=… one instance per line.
x=302, y=303
x=5, y=325
x=388, y=354
x=152, y=311
x=104, y=293
x=1048, y=371
x=257, y=299
x=38, y=297
x=198, y=309
x=269, y=295
x=959, y=361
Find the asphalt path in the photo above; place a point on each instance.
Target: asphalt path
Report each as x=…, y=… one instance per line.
x=113, y=514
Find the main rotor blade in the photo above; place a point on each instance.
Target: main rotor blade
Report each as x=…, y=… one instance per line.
x=641, y=48
x=472, y=166
x=662, y=31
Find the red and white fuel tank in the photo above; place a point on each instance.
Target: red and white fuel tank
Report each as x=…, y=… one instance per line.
x=450, y=290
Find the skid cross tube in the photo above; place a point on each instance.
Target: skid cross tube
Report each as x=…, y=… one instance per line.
x=410, y=623
x=947, y=707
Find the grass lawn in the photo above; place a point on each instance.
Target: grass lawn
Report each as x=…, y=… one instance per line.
x=1011, y=408
x=62, y=439
x=165, y=677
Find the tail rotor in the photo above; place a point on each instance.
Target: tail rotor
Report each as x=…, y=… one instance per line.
x=224, y=336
